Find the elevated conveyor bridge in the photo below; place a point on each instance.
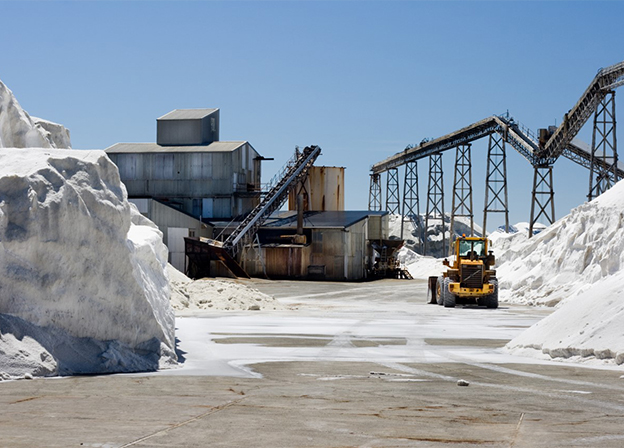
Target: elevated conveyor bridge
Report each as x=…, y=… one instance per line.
x=541, y=151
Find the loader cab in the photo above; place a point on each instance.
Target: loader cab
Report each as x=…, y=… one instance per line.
x=473, y=248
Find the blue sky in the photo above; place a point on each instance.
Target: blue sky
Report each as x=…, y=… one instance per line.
x=362, y=79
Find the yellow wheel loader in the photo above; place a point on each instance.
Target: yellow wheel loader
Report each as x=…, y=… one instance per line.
x=470, y=278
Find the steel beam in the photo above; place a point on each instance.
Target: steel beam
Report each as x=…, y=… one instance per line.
x=393, y=203
x=435, y=198
x=604, y=148
x=496, y=198
x=462, y=190
x=411, y=205
x=374, y=194
x=543, y=200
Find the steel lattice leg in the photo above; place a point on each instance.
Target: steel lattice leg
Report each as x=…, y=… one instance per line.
x=411, y=205
x=604, y=148
x=543, y=196
x=393, y=204
x=435, y=198
x=374, y=195
x=496, y=199
x=462, y=190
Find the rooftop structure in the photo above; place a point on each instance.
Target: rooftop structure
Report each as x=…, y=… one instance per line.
x=188, y=127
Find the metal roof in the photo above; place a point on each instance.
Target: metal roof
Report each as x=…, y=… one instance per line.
x=327, y=219
x=136, y=148
x=187, y=114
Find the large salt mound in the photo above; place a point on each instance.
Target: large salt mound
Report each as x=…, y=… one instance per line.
x=82, y=271
x=585, y=328
x=20, y=130
x=216, y=295
x=578, y=261
x=565, y=258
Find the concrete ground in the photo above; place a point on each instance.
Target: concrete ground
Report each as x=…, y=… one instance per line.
x=382, y=372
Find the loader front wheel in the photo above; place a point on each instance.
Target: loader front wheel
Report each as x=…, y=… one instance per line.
x=448, y=297
x=491, y=300
x=432, y=290
x=440, y=291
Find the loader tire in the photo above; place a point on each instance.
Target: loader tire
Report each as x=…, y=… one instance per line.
x=432, y=287
x=439, y=291
x=449, y=299
x=491, y=301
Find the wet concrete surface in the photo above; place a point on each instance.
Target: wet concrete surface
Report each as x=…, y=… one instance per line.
x=336, y=401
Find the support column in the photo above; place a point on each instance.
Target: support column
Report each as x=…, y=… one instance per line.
x=435, y=198
x=462, y=190
x=393, y=203
x=543, y=200
x=374, y=194
x=496, y=198
x=604, y=148
x=411, y=205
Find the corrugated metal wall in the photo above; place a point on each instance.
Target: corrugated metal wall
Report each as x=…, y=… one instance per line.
x=184, y=176
x=341, y=253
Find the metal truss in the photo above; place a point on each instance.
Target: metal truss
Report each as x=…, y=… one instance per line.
x=604, y=148
x=543, y=196
x=496, y=198
x=374, y=194
x=393, y=203
x=462, y=190
x=411, y=205
x=435, y=197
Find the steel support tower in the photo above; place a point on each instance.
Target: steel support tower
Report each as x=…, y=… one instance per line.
x=374, y=193
x=543, y=198
x=496, y=197
x=435, y=198
x=393, y=203
x=604, y=148
x=411, y=205
x=462, y=190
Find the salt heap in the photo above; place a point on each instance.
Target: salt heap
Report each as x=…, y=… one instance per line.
x=565, y=258
x=577, y=262
x=216, y=295
x=413, y=233
x=420, y=267
x=20, y=130
x=83, y=285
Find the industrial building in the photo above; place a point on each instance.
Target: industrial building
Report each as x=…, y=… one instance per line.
x=337, y=245
x=189, y=177
x=205, y=196
x=189, y=169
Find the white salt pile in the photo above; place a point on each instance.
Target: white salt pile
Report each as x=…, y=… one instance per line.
x=83, y=283
x=20, y=130
x=565, y=258
x=413, y=234
x=585, y=328
x=419, y=266
x=216, y=295
x=577, y=262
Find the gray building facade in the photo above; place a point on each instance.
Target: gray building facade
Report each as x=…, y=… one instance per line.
x=189, y=169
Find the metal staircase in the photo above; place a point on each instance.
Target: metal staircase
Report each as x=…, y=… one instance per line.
x=295, y=171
